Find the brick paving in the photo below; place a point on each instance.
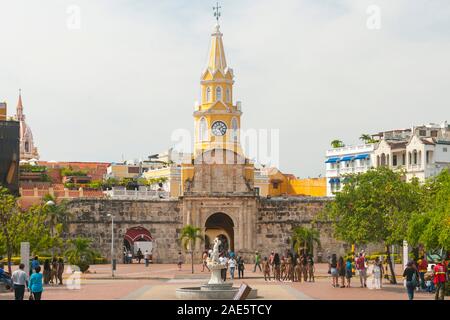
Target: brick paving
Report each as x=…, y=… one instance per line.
x=159, y=282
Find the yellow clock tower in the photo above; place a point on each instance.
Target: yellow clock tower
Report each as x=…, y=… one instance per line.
x=217, y=119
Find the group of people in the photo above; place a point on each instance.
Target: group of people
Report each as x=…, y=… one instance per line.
x=128, y=257
x=230, y=262
x=53, y=271
x=418, y=278
x=289, y=267
x=33, y=282
x=342, y=271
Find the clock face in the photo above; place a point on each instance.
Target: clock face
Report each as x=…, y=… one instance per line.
x=219, y=128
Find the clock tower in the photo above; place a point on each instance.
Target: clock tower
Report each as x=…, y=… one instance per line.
x=217, y=119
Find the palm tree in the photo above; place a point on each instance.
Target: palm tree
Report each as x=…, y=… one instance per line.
x=337, y=143
x=189, y=236
x=366, y=138
x=304, y=238
x=57, y=215
x=80, y=253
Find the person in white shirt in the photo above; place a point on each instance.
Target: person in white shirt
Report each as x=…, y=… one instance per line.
x=232, y=265
x=20, y=282
x=223, y=261
x=146, y=258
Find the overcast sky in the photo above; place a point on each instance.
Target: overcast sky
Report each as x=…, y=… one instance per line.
x=123, y=82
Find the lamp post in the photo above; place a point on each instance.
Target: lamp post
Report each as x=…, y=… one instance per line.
x=113, y=265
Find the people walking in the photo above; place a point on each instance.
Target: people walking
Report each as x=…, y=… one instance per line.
x=377, y=273
x=362, y=269
x=241, y=267
x=60, y=270
x=139, y=255
x=440, y=277
x=35, y=285
x=20, y=282
x=272, y=266
x=54, y=271
x=224, y=262
x=232, y=265
x=277, y=267
x=180, y=261
x=47, y=271
x=411, y=275
x=298, y=270
x=34, y=264
x=266, y=269
x=334, y=271
x=311, y=268
x=348, y=272
x=205, y=261
x=147, y=258
x=341, y=271
x=257, y=261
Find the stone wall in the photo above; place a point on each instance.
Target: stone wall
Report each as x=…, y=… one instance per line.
x=271, y=228
x=161, y=218
x=278, y=217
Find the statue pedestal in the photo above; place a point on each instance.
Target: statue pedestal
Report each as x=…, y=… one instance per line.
x=216, y=275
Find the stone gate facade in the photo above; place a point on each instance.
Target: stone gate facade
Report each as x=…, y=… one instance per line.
x=259, y=223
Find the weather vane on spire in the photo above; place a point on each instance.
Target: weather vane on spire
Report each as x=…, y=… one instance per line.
x=217, y=11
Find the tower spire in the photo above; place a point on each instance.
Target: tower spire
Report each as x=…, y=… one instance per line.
x=19, y=109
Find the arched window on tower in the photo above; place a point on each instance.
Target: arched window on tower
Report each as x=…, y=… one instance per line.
x=234, y=129
x=27, y=146
x=203, y=130
x=208, y=94
x=228, y=95
x=218, y=93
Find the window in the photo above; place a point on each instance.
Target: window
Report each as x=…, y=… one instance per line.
x=394, y=160
x=422, y=133
x=228, y=95
x=27, y=146
x=257, y=191
x=403, y=159
x=203, y=130
x=218, y=93
x=444, y=149
x=434, y=133
x=415, y=157
x=208, y=94
x=275, y=185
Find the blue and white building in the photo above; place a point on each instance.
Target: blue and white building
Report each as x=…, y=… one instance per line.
x=346, y=160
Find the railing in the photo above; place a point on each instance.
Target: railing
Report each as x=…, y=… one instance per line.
x=136, y=194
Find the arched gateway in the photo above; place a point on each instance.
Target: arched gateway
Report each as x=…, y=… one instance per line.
x=137, y=237
x=219, y=225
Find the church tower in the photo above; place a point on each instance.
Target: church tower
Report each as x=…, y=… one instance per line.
x=217, y=118
x=27, y=149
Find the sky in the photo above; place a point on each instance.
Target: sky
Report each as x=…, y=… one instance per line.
x=106, y=80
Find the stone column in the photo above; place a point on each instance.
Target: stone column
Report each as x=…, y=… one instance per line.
x=241, y=227
x=249, y=225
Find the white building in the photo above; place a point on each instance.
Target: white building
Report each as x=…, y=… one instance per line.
x=422, y=152
x=346, y=160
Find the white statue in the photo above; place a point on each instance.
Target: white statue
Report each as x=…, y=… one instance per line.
x=214, y=264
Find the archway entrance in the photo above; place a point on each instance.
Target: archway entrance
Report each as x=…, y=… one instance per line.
x=137, y=238
x=219, y=225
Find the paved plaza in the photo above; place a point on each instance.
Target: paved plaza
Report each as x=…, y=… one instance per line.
x=159, y=282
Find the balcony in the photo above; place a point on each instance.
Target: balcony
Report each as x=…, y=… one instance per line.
x=123, y=194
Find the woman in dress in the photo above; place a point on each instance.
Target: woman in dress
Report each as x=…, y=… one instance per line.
x=334, y=271
x=35, y=284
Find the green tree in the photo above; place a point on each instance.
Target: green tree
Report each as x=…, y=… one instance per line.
x=8, y=223
x=189, y=237
x=337, y=144
x=430, y=223
x=80, y=253
x=303, y=239
x=366, y=138
x=376, y=207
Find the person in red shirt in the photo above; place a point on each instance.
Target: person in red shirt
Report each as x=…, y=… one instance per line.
x=440, y=277
x=423, y=267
